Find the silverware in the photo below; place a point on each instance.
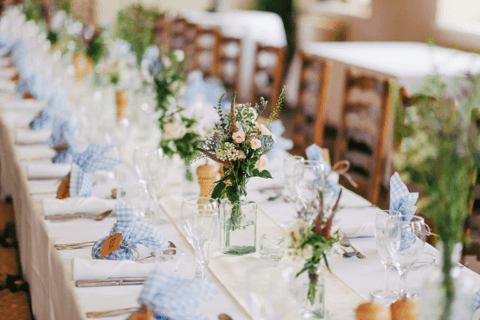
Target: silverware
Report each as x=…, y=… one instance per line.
x=69, y=217
x=347, y=254
x=346, y=243
x=357, y=207
x=111, y=313
x=224, y=316
x=109, y=282
x=77, y=245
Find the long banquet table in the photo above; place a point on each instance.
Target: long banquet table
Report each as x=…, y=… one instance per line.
x=49, y=272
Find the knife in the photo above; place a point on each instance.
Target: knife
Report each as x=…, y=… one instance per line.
x=109, y=282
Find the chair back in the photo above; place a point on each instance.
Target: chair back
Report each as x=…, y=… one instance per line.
x=228, y=64
x=363, y=132
x=309, y=120
x=268, y=74
x=206, y=50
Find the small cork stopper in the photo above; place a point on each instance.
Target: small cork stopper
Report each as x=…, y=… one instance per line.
x=207, y=174
x=121, y=98
x=372, y=311
x=405, y=310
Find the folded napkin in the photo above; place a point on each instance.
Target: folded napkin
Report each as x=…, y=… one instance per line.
x=34, y=152
x=64, y=131
x=47, y=170
x=168, y=295
x=93, y=269
x=45, y=119
x=24, y=105
x=357, y=231
x=314, y=152
x=133, y=234
x=86, y=163
x=76, y=205
x=34, y=84
x=7, y=74
x=211, y=90
x=403, y=201
x=5, y=43
x=7, y=85
x=281, y=144
x=44, y=186
x=29, y=136
x=476, y=302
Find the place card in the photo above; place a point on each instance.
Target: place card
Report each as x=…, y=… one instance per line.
x=64, y=189
x=111, y=244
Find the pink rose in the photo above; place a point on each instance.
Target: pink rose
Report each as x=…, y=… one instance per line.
x=261, y=163
x=238, y=137
x=255, y=143
x=241, y=155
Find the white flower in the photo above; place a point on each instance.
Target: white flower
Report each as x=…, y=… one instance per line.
x=255, y=143
x=226, y=152
x=262, y=163
x=179, y=54
x=307, y=252
x=166, y=62
x=241, y=155
x=238, y=137
x=174, y=131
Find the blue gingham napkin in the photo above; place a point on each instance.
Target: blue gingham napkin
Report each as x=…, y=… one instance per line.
x=403, y=201
x=44, y=121
x=133, y=234
x=314, y=152
x=165, y=293
x=5, y=45
x=476, y=302
x=36, y=85
x=84, y=164
x=64, y=130
x=211, y=89
x=281, y=143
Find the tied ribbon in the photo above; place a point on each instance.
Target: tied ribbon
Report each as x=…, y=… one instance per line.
x=84, y=164
x=133, y=234
x=175, y=297
x=341, y=167
x=64, y=131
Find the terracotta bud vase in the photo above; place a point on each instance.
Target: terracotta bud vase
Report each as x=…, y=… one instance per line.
x=121, y=99
x=207, y=174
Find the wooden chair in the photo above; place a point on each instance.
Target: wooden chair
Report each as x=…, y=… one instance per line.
x=177, y=33
x=189, y=46
x=206, y=50
x=268, y=74
x=309, y=120
x=228, y=63
x=161, y=31
x=363, y=132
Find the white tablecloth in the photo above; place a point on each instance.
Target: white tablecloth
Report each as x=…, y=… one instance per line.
x=251, y=26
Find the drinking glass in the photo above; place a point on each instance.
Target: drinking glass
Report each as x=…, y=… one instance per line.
x=199, y=221
x=140, y=156
x=157, y=173
x=272, y=247
x=312, y=194
x=385, y=295
x=134, y=196
x=289, y=164
x=170, y=260
x=404, y=240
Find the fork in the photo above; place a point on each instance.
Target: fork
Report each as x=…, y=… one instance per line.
x=346, y=243
x=111, y=313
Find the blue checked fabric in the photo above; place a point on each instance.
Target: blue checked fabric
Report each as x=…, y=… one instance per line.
x=133, y=234
x=35, y=84
x=476, y=302
x=314, y=152
x=281, y=143
x=44, y=121
x=212, y=89
x=168, y=295
x=403, y=201
x=84, y=164
x=5, y=45
x=64, y=130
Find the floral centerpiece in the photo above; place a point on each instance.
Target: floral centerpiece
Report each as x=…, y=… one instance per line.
x=439, y=153
x=312, y=242
x=240, y=145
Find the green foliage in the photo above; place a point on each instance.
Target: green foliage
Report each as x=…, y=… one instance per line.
x=96, y=50
x=65, y=5
x=136, y=25
x=34, y=10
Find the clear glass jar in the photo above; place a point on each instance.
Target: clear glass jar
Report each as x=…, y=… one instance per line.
x=238, y=227
x=433, y=296
x=311, y=294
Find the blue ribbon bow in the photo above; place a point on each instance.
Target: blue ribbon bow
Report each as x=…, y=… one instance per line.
x=133, y=234
x=314, y=152
x=44, y=121
x=281, y=143
x=165, y=293
x=211, y=89
x=84, y=164
x=64, y=130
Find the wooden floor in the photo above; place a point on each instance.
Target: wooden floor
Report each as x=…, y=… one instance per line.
x=14, y=294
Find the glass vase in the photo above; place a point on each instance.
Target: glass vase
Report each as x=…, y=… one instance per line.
x=310, y=292
x=189, y=181
x=238, y=227
x=434, y=302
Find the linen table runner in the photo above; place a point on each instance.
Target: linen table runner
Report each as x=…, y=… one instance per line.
x=341, y=300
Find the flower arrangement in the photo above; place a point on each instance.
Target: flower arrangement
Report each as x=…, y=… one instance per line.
x=136, y=25
x=439, y=153
x=240, y=144
x=311, y=242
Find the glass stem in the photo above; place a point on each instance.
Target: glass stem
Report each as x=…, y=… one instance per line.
x=386, y=286
x=403, y=281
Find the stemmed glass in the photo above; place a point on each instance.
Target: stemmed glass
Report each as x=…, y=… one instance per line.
x=311, y=193
x=140, y=156
x=289, y=164
x=404, y=240
x=385, y=294
x=198, y=221
x=157, y=172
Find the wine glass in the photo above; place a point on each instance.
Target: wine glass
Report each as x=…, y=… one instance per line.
x=170, y=260
x=289, y=164
x=385, y=294
x=312, y=194
x=404, y=240
x=140, y=156
x=157, y=173
x=198, y=221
